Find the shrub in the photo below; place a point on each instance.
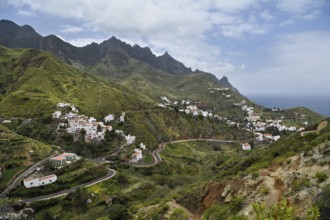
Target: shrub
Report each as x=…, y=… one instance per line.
x=236, y=204
x=216, y=212
x=264, y=190
x=300, y=183
x=321, y=177
x=178, y=214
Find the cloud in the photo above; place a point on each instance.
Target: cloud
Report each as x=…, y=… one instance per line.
x=298, y=64
x=24, y=13
x=300, y=6
x=71, y=29
x=189, y=30
x=80, y=42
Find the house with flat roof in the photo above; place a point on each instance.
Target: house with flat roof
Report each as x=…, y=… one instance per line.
x=39, y=181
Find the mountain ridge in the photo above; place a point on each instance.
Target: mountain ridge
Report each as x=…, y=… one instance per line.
x=13, y=35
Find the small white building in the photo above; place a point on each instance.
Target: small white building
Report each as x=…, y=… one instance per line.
x=246, y=146
x=109, y=118
x=57, y=114
x=142, y=146
x=129, y=139
x=136, y=156
x=92, y=119
x=276, y=137
x=36, y=182
x=63, y=105
x=6, y=122
x=122, y=118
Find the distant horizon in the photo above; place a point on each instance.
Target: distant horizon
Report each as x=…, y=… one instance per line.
x=316, y=103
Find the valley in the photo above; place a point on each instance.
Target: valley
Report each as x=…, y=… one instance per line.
x=121, y=133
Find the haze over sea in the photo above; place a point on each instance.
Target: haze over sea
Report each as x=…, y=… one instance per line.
x=320, y=104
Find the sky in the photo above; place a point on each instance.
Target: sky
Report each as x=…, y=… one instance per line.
x=262, y=46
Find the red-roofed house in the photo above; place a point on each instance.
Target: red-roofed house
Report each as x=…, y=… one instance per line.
x=137, y=155
x=246, y=146
x=63, y=159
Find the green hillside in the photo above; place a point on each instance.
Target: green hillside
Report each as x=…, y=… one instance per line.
x=198, y=87
x=33, y=81
x=18, y=152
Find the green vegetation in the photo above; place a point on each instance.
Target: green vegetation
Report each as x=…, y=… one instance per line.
x=71, y=176
x=282, y=211
x=34, y=81
x=178, y=214
x=321, y=177
x=17, y=153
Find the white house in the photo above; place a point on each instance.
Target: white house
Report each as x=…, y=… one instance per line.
x=122, y=117
x=276, y=137
x=6, y=122
x=92, y=119
x=57, y=114
x=142, y=146
x=74, y=108
x=129, y=139
x=136, y=156
x=109, y=118
x=63, y=159
x=63, y=105
x=35, y=182
x=268, y=136
x=246, y=146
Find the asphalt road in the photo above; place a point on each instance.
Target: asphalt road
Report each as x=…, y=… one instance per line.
x=161, y=147
x=17, y=181
x=111, y=173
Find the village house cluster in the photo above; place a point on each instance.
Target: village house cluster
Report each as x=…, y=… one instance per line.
x=253, y=121
x=95, y=130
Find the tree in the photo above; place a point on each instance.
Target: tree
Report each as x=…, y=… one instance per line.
x=79, y=199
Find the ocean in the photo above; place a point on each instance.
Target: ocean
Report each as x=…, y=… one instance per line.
x=320, y=104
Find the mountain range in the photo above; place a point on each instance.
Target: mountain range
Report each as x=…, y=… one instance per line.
x=134, y=67
x=13, y=35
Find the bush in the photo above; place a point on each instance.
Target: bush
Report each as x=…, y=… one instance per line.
x=264, y=190
x=236, y=204
x=178, y=214
x=300, y=183
x=321, y=177
x=323, y=202
x=216, y=212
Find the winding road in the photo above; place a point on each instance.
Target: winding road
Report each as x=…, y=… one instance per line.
x=17, y=181
x=111, y=173
x=161, y=147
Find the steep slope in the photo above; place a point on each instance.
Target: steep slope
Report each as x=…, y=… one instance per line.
x=295, y=168
x=18, y=152
x=120, y=62
x=34, y=81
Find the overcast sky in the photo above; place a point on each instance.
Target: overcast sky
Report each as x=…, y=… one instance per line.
x=263, y=46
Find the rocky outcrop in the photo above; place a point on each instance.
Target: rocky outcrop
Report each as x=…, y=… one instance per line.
x=294, y=180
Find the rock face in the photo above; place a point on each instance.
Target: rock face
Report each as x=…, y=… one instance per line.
x=294, y=180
